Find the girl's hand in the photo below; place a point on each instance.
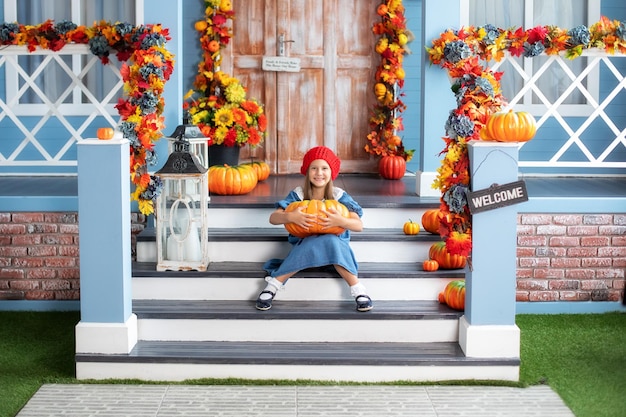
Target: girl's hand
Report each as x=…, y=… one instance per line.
x=332, y=218
x=302, y=219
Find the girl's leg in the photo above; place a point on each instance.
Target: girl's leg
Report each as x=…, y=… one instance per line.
x=274, y=284
x=357, y=290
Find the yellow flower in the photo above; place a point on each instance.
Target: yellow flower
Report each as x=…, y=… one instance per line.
x=223, y=117
x=199, y=117
x=220, y=133
x=235, y=93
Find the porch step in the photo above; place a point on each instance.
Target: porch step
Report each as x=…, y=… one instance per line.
x=244, y=280
x=256, y=244
x=296, y=321
x=357, y=361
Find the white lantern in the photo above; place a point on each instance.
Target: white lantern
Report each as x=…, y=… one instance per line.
x=181, y=212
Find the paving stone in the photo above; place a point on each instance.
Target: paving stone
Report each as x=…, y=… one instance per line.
x=109, y=400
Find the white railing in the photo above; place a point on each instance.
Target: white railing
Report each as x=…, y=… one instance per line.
x=574, y=119
x=74, y=100
x=77, y=101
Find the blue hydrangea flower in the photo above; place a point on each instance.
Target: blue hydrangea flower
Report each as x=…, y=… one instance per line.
x=621, y=31
x=456, y=197
x=8, y=31
x=148, y=102
x=150, y=69
x=152, y=39
x=456, y=51
x=65, y=26
x=138, y=33
x=535, y=49
x=99, y=46
x=459, y=125
x=128, y=131
x=151, y=157
x=154, y=189
x=580, y=35
x=484, y=84
x=123, y=28
x=491, y=34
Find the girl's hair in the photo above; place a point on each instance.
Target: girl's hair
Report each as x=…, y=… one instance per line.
x=308, y=193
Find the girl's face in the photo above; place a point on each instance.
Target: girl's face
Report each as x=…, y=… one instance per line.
x=319, y=173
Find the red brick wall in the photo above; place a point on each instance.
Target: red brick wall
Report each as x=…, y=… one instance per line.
x=39, y=257
x=560, y=257
x=571, y=257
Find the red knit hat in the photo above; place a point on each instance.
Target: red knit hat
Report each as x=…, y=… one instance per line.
x=321, y=152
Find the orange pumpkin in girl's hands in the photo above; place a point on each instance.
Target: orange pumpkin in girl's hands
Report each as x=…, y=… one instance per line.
x=317, y=207
x=105, y=133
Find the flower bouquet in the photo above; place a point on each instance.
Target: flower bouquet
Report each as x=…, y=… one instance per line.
x=218, y=104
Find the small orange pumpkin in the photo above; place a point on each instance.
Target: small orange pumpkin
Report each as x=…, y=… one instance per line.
x=214, y=46
x=439, y=253
x=454, y=295
x=510, y=127
x=105, y=133
x=430, y=220
x=229, y=180
x=430, y=265
x=317, y=207
x=411, y=228
x=392, y=167
x=262, y=169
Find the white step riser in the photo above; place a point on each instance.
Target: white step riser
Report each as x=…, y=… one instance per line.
x=306, y=289
x=365, y=331
x=345, y=373
x=259, y=217
x=242, y=251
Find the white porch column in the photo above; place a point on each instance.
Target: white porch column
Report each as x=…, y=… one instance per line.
x=107, y=324
x=488, y=327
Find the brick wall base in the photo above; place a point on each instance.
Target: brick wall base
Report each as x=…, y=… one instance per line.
x=39, y=255
x=560, y=257
x=571, y=257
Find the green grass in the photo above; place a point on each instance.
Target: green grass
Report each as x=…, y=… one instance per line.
x=582, y=357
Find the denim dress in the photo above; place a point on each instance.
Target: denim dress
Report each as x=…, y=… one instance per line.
x=317, y=250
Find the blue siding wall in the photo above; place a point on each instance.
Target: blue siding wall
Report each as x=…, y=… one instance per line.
x=413, y=67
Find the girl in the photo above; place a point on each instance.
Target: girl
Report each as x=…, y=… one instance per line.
x=320, y=166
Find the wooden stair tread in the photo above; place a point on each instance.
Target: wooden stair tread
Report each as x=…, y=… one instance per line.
x=251, y=234
x=292, y=310
x=297, y=353
x=255, y=270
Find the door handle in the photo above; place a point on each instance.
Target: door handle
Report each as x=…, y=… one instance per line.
x=281, y=44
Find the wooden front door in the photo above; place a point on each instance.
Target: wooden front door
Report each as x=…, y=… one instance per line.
x=328, y=101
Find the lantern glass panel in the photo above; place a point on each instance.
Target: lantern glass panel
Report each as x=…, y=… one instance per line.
x=181, y=219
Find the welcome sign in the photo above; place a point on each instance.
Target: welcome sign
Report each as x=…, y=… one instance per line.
x=497, y=196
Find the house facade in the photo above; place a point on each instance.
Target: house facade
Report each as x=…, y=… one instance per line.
x=571, y=236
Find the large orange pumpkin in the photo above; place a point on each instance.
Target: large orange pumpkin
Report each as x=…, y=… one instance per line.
x=454, y=295
x=232, y=180
x=439, y=253
x=430, y=220
x=316, y=207
x=262, y=169
x=510, y=127
x=392, y=167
